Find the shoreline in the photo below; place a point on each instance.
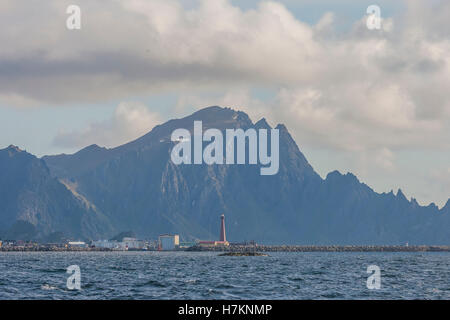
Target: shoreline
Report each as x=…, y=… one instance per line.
x=311, y=248
x=247, y=249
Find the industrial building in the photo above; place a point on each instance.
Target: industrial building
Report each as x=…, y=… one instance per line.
x=109, y=244
x=131, y=243
x=168, y=242
x=125, y=244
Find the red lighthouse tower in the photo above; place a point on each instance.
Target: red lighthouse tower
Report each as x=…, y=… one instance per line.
x=223, y=235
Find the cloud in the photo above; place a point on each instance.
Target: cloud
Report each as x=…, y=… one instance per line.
x=385, y=159
x=130, y=121
x=361, y=84
x=371, y=94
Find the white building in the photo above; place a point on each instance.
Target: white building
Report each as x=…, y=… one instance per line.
x=125, y=244
x=132, y=243
x=78, y=244
x=169, y=242
x=109, y=244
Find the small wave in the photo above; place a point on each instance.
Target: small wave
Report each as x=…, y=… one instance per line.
x=88, y=285
x=332, y=295
x=58, y=270
x=296, y=279
x=316, y=272
x=224, y=286
x=191, y=281
x=48, y=287
x=153, y=283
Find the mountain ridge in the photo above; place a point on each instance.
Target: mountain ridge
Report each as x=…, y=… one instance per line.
x=29, y=194
x=136, y=187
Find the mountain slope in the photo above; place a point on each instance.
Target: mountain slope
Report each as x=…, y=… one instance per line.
x=34, y=204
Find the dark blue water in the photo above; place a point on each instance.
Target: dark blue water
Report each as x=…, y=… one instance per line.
x=186, y=275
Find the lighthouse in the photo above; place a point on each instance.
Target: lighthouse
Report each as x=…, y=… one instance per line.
x=223, y=235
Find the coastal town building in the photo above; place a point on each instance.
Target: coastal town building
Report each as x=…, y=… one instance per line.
x=127, y=243
x=131, y=243
x=168, y=242
x=108, y=244
x=77, y=244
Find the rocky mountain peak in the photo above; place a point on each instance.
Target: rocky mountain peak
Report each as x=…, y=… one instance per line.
x=262, y=124
x=136, y=187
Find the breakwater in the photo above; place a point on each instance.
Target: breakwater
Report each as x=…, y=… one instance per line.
x=311, y=248
x=248, y=249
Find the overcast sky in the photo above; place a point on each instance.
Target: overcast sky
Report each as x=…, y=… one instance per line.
x=372, y=102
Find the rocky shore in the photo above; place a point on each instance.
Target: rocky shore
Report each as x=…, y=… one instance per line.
x=288, y=248
x=246, y=249
x=243, y=254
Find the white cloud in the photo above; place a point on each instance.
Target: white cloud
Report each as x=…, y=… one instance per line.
x=130, y=121
x=365, y=87
x=385, y=159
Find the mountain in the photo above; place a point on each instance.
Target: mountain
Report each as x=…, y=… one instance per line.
x=137, y=187
x=34, y=204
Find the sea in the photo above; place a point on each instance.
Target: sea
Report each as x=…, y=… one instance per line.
x=206, y=275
